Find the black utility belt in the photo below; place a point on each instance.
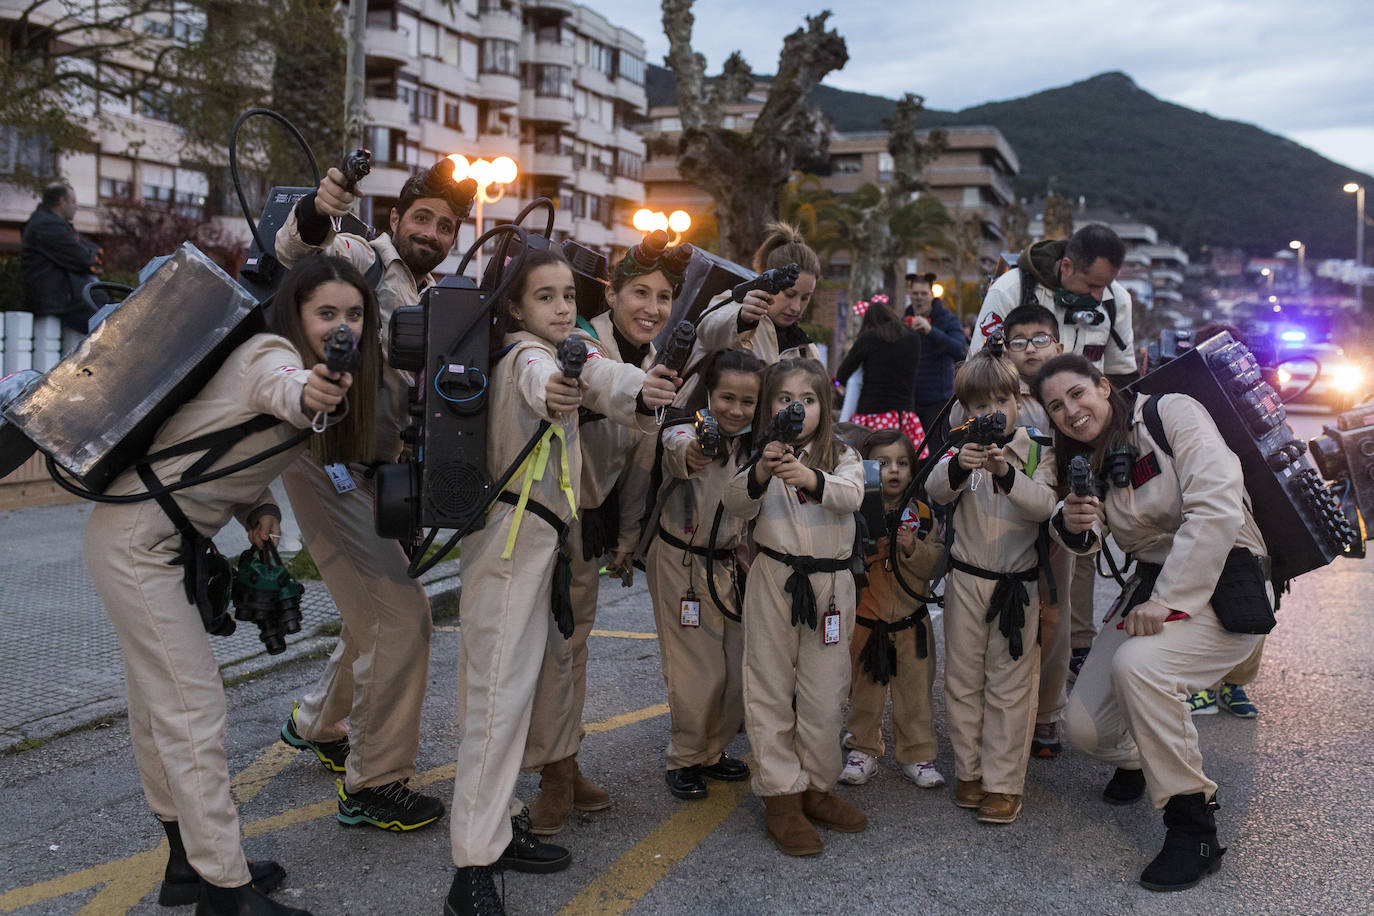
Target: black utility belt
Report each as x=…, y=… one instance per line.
x=1239, y=600
x=720, y=553
x=906, y=623
x=1025, y=575
x=539, y=509
x=806, y=565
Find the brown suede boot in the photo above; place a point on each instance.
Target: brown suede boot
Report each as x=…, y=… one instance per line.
x=587, y=795
x=788, y=828
x=969, y=793
x=550, y=811
x=829, y=811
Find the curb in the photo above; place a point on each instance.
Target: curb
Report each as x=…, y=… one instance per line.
x=443, y=586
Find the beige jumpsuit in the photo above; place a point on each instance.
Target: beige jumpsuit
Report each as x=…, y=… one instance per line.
x=913, y=721
x=718, y=329
x=990, y=697
x=175, y=694
x=505, y=603
x=373, y=686
x=701, y=664
x=610, y=452
x=1128, y=707
x=794, y=684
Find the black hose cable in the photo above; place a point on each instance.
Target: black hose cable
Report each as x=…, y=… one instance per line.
x=736, y=615
x=108, y=286
x=544, y=202
x=77, y=490
x=234, y=168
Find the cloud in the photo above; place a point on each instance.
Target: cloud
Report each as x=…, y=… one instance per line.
x=1304, y=71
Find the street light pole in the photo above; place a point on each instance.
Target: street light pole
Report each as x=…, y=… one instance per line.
x=1358, y=191
x=1301, y=249
x=489, y=175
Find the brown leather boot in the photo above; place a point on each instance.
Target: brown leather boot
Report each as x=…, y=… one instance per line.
x=587, y=795
x=969, y=793
x=999, y=808
x=788, y=828
x=829, y=811
x=550, y=811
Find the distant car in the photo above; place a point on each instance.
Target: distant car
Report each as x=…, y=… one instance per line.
x=1320, y=373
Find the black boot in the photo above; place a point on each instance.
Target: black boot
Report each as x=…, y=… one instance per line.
x=473, y=893
x=686, y=783
x=181, y=883
x=1125, y=787
x=1190, y=848
x=528, y=854
x=240, y=901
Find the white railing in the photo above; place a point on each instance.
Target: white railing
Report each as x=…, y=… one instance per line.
x=29, y=341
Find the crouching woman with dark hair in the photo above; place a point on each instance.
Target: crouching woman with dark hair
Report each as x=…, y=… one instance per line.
x=1187, y=614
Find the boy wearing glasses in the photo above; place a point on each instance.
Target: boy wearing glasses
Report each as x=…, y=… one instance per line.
x=1031, y=333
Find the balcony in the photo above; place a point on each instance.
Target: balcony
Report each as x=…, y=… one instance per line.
x=594, y=182
x=387, y=179
x=981, y=176
x=590, y=232
x=533, y=51
x=629, y=140
x=494, y=145
x=593, y=80
x=389, y=45
x=505, y=26
x=445, y=140
x=498, y=87
x=595, y=132
x=566, y=7
x=547, y=162
x=632, y=93
x=446, y=76
x=627, y=189
x=1169, y=295
x=545, y=108
x=1166, y=276
x=562, y=220
x=388, y=113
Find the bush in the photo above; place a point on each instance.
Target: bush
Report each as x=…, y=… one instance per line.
x=11, y=285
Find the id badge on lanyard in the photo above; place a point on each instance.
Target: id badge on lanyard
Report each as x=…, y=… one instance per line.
x=830, y=633
x=341, y=477
x=691, y=609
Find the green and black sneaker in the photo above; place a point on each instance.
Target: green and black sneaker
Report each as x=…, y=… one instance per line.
x=394, y=806
x=332, y=754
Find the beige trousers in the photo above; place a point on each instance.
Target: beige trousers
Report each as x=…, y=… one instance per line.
x=175, y=693
x=1080, y=592
x=1055, y=626
x=796, y=747
x=702, y=666
x=504, y=610
x=373, y=685
x=1248, y=670
x=1129, y=705
x=556, y=729
x=913, y=722
x=989, y=697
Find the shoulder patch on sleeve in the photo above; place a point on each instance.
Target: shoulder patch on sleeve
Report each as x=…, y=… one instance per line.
x=990, y=324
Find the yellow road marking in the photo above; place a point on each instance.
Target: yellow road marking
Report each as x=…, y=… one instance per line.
x=253, y=778
x=624, y=634
x=636, y=872
x=124, y=876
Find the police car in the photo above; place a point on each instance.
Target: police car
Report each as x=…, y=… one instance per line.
x=1319, y=373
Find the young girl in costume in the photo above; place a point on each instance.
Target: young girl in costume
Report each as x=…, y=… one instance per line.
x=510, y=564
x=700, y=646
x=136, y=559
x=616, y=466
x=799, y=608
x=894, y=648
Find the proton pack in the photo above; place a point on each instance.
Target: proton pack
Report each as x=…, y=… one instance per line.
x=1301, y=520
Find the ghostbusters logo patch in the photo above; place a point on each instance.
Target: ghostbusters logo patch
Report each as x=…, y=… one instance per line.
x=1093, y=352
x=1144, y=470
x=991, y=324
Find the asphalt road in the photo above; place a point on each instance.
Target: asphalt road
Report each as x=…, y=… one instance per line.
x=77, y=837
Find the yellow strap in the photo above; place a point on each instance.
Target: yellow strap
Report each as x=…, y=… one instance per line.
x=532, y=469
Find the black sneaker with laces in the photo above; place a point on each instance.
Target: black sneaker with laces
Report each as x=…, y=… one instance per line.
x=332, y=754
x=527, y=853
x=394, y=806
x=473, y=893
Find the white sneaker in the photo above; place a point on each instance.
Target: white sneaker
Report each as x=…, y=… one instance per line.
x=923, y=774
x=858, y=768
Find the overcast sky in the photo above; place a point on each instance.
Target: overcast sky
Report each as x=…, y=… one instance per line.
x=1301, y=69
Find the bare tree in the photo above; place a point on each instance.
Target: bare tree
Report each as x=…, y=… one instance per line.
x=1058, y=219
x=746, y=171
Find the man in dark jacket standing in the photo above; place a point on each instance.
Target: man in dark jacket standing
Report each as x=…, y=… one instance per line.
x=56, y=262
x=942, y=345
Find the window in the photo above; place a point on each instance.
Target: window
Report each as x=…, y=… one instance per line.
x=549, y=33
x=631, y=68
x=453, y=116
x=427, y=106
x=18, y=154
x=500, y=56
x=411, y=96
x=566, y=198
x=467, y=58
x=885, y=166
x=549, y=80
x=628, y=165
x=600, y=57
x=115, y=189
x=155, y=104
x=154, y=194
x=848, y=164
x=429, y=39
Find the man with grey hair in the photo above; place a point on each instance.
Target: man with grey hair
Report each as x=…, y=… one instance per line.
x=57, y=264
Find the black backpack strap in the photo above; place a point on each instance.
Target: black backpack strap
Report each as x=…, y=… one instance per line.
x=215, y=444
x=1109, y=306
x=1042, y=550
x=375, y=271
x=1150, y=413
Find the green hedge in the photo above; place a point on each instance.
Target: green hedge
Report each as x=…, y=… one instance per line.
x=11, y=285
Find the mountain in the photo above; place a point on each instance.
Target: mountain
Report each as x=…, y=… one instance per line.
x=1200, y=180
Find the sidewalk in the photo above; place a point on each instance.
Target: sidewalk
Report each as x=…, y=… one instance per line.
x=60, y=667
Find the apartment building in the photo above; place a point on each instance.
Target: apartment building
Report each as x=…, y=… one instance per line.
x=549, y=83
